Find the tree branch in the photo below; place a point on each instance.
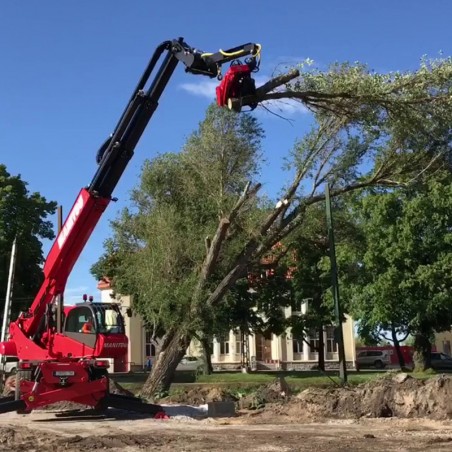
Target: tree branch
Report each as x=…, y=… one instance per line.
x=214, y=249
x=277, y=82
x=340, y=103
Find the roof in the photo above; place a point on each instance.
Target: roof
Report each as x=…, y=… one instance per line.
x=104, y=284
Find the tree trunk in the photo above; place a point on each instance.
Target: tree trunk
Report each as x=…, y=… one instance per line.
x=423, y=349
x=321, y=351
x=207, y=354
x=163, y=371
x=397, y=348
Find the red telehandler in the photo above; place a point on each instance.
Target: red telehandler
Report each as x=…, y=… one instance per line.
x=62, y=351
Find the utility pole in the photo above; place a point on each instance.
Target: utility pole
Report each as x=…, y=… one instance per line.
x=335, y=287
x=9, y=291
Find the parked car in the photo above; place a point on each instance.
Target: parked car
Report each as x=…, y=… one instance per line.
x=190, y=363
x=378, y=359
x=441, y=361
x=8, y=364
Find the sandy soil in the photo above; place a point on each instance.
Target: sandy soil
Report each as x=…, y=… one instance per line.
x=394, y=413
x=43, y=431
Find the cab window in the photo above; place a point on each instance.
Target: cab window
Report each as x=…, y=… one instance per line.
x=76, y=318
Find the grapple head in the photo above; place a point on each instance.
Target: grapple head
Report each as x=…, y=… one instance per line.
x=236, y=84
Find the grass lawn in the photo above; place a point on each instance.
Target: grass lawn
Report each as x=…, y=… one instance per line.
x=297, y=380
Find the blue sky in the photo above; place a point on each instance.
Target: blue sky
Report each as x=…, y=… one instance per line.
x=68, y=69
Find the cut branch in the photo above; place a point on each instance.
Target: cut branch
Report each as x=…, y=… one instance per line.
x=340, y=103
x=277, y=82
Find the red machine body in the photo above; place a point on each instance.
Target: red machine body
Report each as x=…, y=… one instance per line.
x=238, y=82
x=60, y=359
x=232, y=83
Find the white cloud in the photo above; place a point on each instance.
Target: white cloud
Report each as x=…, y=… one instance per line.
x=74, y=290
x=204, y=88
x=286, y=107
x=73, y=295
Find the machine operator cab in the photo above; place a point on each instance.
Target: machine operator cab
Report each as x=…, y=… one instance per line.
x=103, y=318
x=98, y=326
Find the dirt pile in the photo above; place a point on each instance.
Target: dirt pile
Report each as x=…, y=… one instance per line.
x=9, y=386
x=250, y=398
x=199, y=395
x=276, y=392
x=116, y=388
x=391, y=396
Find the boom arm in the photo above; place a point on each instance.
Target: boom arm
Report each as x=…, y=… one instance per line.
x=113, y=157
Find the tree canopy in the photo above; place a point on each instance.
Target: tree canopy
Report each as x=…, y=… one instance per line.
x=22, y=214
x=200, y=225
x=403, y=276
x=177, y=207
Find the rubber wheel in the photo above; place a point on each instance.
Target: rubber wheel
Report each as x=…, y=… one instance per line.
x=379, y=364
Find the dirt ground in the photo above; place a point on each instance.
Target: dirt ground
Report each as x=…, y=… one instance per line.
x=42, y=431
x=395, y=413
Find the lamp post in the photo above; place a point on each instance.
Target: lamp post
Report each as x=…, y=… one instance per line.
x=9, y=291
x=335, y=287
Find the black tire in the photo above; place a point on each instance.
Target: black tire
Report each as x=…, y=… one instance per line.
x=101, y=408
x=13, y=371
x=379, y=364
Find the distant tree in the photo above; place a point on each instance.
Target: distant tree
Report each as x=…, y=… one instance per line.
x=406, y=264
x=256, y=304
x=360, y=342
x=409, y=341
x=22, y=214
x=312, y=275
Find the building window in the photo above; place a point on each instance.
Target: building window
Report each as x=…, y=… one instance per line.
x=238, y=347
x=314, y=342
x=331, y=344
x=224, y=344
x=297, y=345
x=296, y=305
x=150, y=346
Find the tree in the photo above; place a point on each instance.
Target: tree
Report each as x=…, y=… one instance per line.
x=255, y=305
x=369, y=130
x=178, y=205
x=22, y=214
x=312, y=275
x=405, y=269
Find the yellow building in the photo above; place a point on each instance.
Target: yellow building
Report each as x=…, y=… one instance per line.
x=139, y=342
x=443, y=342
x=280, y=352
x=283, y=352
